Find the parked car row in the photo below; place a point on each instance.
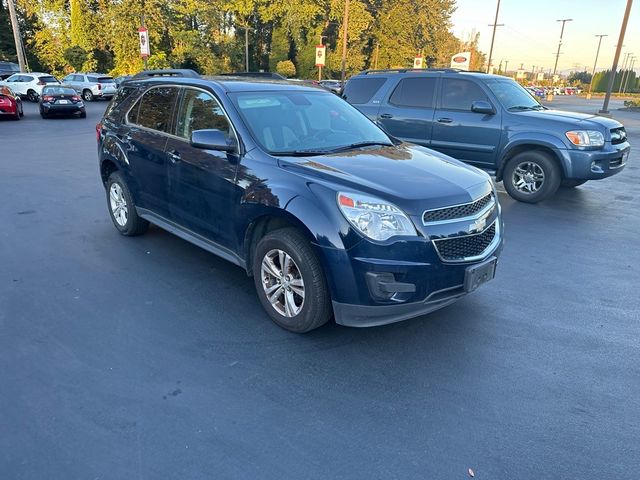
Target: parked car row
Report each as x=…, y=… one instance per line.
x=91, y=86
x=54, y=100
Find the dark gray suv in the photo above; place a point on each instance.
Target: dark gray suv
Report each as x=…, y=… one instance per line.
x=493, y=123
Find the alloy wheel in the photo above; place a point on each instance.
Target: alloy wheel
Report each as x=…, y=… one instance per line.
x=528, y=177
x=282, y=283
x=118, y=203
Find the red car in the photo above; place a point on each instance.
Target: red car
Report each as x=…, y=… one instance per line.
x=10, y=103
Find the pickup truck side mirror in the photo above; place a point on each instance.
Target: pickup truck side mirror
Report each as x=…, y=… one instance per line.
x=212, y=139
x=480, y=106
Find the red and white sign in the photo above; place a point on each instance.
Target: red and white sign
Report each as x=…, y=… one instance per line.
x=321, y=51
x=418, y=62
x=461, y=61
x=145, y=50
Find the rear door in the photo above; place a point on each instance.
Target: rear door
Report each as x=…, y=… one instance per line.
x=408, y=112
x=361, y=92
x=203, y=194
x=461, y=133
x=18, y=83
x=149, y=123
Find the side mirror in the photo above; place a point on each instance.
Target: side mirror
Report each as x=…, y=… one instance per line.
x=480, y=106
x=212, y=139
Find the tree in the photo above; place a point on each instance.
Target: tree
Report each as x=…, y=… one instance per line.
x=286, y=68
x=76, y=56
x=7, y=47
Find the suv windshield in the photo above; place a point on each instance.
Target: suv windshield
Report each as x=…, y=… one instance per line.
x=305, y=122
x=513, y=96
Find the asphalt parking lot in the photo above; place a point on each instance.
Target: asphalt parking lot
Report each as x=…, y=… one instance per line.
x=150, y=358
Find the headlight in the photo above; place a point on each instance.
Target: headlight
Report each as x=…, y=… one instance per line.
x=373, y=217
x=586, y=138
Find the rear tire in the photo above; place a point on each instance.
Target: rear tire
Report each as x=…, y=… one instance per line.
x=571, y=183
x=122, y=209
x=532, y=176
x=290, y=282
x=87, y=95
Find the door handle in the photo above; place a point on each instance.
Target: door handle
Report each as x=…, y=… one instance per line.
x=445, y=120
x=386, y=115
x=174, y=156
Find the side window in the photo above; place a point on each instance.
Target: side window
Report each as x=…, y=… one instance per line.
x=459, y=94
x=414, y=92
x=26, y=78
x=362, y=89
x=156, y=108
x=200, y=111
x=120, y=103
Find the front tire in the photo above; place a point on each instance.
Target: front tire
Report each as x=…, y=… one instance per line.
x=122, y=209
x=290, y=282
x=531, y=176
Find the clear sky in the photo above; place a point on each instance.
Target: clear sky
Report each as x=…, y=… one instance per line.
x=530, y=34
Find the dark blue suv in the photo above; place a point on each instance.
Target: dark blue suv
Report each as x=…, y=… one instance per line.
x=330, y=215
x=493, y=123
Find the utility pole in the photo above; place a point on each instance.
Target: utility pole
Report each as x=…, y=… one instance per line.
x=493, y=36
x=506, y=66
x=16, y=36
x=377, y=53
x=246, y=47
x=625, y=63
x=593, y=74
x=345, y=26
x=614, y=67
x=563, y=20
x=633, y=62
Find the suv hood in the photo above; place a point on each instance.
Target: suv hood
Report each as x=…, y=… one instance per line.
x=577, y=120
x=410, y=176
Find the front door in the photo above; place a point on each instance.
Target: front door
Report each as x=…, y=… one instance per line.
x=203, y=194
x=463, y=134
x=408, y=113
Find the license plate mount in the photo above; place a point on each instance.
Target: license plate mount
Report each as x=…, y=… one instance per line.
x=476, y=275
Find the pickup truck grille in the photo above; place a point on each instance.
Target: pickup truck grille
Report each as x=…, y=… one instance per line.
x=457, y=211
x=466, y=248
x=618, y=135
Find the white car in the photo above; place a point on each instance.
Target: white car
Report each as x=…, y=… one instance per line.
x=92, y=86
x=30, y=84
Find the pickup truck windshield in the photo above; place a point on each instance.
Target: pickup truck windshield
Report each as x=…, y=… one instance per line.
x=297, y=122
x=513, y=96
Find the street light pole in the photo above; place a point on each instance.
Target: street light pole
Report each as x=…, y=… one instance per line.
x=345, y=26
x=246, y=47
x=493, y=36
x=625, y=63
x=633, y=62
x=614, y=67
x=563, y=20
x=593, y=74
x=16, y=36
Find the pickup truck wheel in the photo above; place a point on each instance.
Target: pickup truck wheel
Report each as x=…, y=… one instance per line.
x=290, y=281
x=531, y=176
x=122, y=209
x=571, y=183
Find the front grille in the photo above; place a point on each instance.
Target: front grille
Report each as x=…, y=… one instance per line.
x=460, y=248
x=618, y=135
x=458, y=211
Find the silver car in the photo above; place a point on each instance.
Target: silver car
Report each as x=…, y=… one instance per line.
x=92, y=86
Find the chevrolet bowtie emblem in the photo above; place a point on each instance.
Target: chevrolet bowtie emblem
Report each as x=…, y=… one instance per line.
x=478, y=225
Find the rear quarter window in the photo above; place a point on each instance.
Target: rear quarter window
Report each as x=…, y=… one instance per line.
x=361, y=90
x=121, y=101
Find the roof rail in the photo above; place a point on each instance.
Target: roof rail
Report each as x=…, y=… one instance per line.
x=416, y=70
x=178, y=72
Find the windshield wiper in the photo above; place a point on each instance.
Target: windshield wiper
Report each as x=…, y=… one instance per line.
x=317, y=151
x=359, y=145
x=526, y=107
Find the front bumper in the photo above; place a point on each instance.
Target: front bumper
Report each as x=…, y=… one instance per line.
x=595, y=164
